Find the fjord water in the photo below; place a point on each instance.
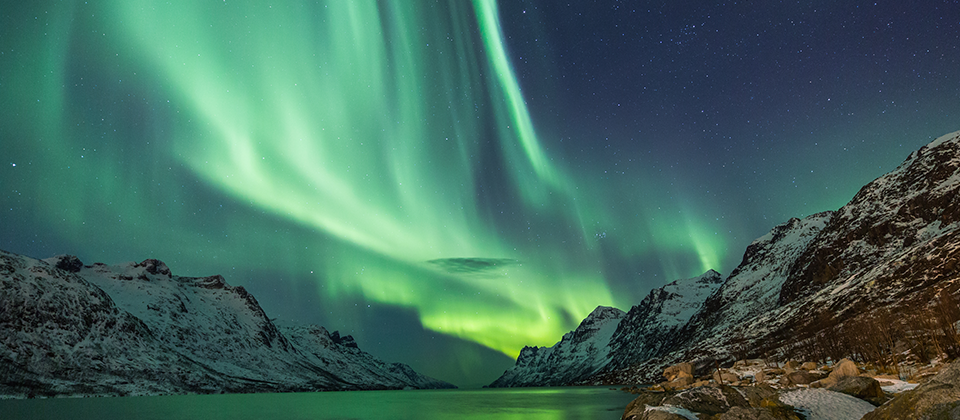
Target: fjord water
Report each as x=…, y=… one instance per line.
x=514, y=403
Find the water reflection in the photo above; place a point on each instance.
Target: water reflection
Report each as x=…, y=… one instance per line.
x=527, y=403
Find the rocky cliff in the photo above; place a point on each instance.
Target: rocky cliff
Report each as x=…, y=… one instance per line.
x=135, y=329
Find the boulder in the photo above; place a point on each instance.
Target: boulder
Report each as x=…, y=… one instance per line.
x=862, y=387
x=791, y=366
x=682, y=381
x=710, y=400
x=725, y=377
x=760, y=376
x=844, y=367
x=636, y=407
x=800, y=377
x=700, y=383
x=755, y=395
x=755, y=413
x=936, y=398
x=808, y=366
x=654, y=414
x=841, y=369
x=672, y=372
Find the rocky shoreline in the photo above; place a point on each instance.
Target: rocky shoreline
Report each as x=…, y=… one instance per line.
x=756, y=390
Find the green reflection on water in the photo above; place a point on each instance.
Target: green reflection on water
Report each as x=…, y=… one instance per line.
x=527, y=403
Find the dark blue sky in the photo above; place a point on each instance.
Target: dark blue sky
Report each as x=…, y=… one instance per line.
x=773, y=110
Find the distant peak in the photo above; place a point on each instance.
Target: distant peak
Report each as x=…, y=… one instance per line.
x=155, y=266
x=605, y=312
x=69, y=263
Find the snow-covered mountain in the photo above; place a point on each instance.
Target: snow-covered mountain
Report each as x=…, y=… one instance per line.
x=894, y=247
x=608, y=338
x=579, y=354
x=653, y=324
x=129, y=329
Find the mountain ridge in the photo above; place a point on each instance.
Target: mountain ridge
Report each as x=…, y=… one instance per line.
x=895, y=245
x=137, y=329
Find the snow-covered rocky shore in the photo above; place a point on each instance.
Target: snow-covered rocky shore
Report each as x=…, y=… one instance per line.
x=753, y=389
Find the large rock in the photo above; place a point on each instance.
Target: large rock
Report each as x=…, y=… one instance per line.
x=747, y=403
x=800, y=377
x=842, y=369
x=761, y=413
x=760, y=376
x=655, y=414
x=710, y=400
x=636, y=408
x=791, y=366
x=845, y=367
x=725, y=377
x=937, y=398
x=862, y=387
x=672, y=372
x=760, y=395
x=682, y=381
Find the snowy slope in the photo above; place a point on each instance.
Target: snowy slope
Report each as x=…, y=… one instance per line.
x=137, y=329
x=653, y=325
x=754, y=286
x=579, y=353
x=351, y=365
x=608, y=337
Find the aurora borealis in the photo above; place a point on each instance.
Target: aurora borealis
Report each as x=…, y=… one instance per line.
x=451, y=181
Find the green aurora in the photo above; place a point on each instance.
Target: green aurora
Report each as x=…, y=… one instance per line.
x=393, y=138
x=449, y=181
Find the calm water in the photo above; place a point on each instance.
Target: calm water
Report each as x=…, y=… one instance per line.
x=536, y=403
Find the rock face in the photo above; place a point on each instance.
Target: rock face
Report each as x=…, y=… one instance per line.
x=937, y=398
x=894, y=246
x=609, y=339
x=135, y=329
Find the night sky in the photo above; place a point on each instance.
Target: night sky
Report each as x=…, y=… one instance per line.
x=451, y=181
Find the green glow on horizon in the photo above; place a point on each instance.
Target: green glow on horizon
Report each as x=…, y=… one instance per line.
x=363, y=124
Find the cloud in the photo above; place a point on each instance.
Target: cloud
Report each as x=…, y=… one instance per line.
x=472, y=265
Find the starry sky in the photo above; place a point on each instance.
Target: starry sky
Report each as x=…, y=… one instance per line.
x=449, y=181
